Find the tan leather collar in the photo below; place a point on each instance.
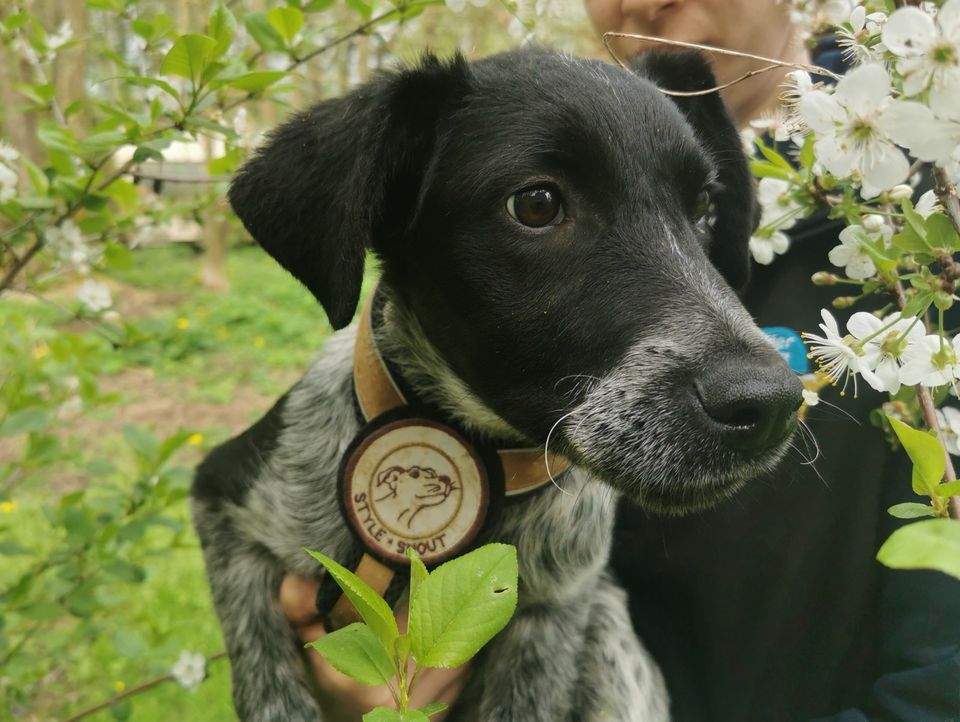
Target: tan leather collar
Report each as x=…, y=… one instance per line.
x=524, y=470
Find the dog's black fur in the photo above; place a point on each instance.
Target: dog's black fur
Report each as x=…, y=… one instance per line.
x=613, y=332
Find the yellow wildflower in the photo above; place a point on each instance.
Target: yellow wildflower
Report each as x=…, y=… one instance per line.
x=40, y=351
x=183, y=323
x=195, y=439
x=7, y=506
x=259, y=342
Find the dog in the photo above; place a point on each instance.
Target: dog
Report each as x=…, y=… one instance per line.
x=560, y=242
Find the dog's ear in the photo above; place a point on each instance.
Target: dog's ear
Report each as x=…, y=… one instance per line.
x=734, y=202
x=333, y=180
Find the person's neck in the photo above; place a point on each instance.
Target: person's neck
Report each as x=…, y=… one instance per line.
x=760, y=94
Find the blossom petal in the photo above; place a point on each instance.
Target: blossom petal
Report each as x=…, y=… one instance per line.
x=863, y=324
x=884, y=168
x=914, y=126
x=864, y=89
x=908, y=31
x=945, y=98
x=948, y=18
x=820, y=111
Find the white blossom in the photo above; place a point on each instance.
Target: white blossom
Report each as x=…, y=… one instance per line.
x=456, y=6
x=61, y=37
x=901, y=192
x=94, y=295
x=948, y=419
x=8, y=183
x=189, y=670
x=857, y=44
x=778, y=207
x=927, y=48
x=928, y=204
x=883, y=345
x=849, y=139
x=810, y=398
x=930, y=131
x=8, y=154
x=850, y=253
x=68, y=243
x=930, y=362
x=839, y=357
x=765, y=247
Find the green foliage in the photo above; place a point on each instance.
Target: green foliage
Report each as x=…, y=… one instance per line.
x=454, y=611
x=932, y=544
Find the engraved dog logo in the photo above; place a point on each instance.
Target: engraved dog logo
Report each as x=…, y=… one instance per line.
x=413, y=489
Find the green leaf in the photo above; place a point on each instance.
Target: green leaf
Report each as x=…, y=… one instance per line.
x=117, y=257
x=910, y=241
x=926, y=454
x=155, y=82
x=255, y=81
x=431, y=709
x=33, y=418
x=143, y=443
x=774, y=157
x=124, y=570
x=914, y=219
x=764, y=169
x=57, y=137
x=10, y=548
x=222, y=28
x=418, y=573
x=911, y=510
x=931, y=544
x=388, y=714
x=41, y=184
x=917, y=304
x=371, y=606
x=364, y=9
x=188, y=57
x=286, y=21
x=949, y=489
x=263, y=32
x=355, y=651
x=462, y=604
x=941, y=233
x=383, y=714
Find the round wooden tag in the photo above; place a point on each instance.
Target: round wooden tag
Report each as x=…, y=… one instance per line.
x=414, y=482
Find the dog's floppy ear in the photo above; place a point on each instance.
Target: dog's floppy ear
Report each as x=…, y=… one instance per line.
x=345, y=173
x=734, y=202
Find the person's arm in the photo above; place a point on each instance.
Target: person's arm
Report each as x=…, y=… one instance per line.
x=341, y=698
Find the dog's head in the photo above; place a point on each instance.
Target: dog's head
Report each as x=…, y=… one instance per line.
x=559, y=240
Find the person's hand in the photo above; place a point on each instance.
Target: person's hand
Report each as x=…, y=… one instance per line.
x=342, y=699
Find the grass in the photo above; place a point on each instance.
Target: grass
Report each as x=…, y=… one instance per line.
x=187, y=358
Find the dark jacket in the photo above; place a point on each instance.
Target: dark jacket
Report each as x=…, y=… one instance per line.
x=772, y=607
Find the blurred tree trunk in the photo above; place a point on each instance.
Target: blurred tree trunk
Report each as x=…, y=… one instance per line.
x=213, y=272
x=71, y=66
x=18, y=129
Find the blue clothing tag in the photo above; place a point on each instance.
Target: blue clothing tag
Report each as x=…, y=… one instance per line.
x=790, y=346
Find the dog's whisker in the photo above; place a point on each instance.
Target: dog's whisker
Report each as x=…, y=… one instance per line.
x=841, y=410
x=546, y=450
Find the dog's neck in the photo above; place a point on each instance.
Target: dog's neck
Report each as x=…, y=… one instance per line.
x=403, y=342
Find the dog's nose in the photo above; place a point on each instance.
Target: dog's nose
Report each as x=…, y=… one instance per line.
x=750, y=401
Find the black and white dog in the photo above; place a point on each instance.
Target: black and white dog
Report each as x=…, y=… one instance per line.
x=559, y=241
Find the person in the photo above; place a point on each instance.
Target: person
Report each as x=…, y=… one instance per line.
x=770, y=606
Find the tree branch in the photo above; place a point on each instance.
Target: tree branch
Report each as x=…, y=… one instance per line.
x=126, y=694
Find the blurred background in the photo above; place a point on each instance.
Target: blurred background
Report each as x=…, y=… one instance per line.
x=139, y=325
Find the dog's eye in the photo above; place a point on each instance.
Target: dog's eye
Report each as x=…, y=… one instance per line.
x=704, y=213
x=536, y=207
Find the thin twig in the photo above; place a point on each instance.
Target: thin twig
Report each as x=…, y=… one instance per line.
x=142, y=687
x=137, y=173
x=928, y=410
x=772, y=62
